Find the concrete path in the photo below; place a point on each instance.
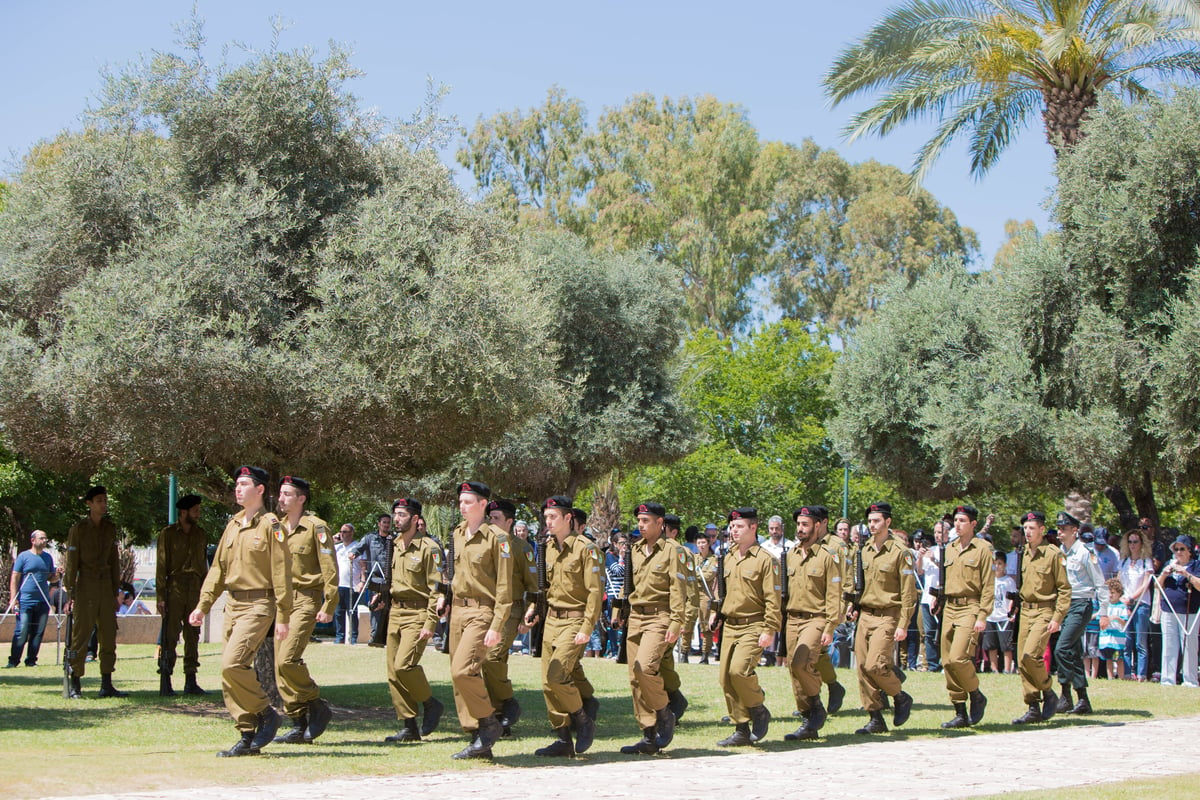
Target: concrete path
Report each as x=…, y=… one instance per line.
x=921, y=769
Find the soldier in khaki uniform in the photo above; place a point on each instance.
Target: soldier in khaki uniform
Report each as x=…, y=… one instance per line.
x=889, y=596
x=502, y=514
x=314, y=598
x=412, y=620
x=573, y=596
x=676, y=700
x=657, y=603
x=253, y=563
x=181, y=568
x=706, y=582
x=835, y=544
x=482, y=602
x=92, y=577
x=970, y=587
x=1045, y=599
x=751, y=610
x=813, y=571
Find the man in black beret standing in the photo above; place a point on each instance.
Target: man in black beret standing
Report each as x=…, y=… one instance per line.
x=180, y=571
x=92, y=578
x=968, y=596
x=502, y=514
x=1045, y=600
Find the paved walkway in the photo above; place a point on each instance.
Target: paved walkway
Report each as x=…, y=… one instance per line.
x=922, y=769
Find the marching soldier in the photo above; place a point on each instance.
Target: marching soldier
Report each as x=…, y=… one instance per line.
x=968, y=594
x=412, y=620
x=482, y=602
x=573, y=596
x=657, y=603
x=889, y=596
x=92, y=578
x=314, y=598
x=182, y=565
x=1045, y=600
x=502, y=514
x=1087, y=584
x=252, y=562
x=751, y=609
x=825, y=668
x=813, y=571
x=706, y=577
x=676, y=699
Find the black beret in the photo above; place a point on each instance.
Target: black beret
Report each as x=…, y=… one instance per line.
x=1065, y=519
x=188, y=501
x=299, y=483
x=505, y=507
x=672, y=521
x=475, y=487
x=94, y=492
x=655, y=509
x=971, y=512
x=1034, y=516
x=819, y=513
x=256, y=474
x=407, y=502
x=810, y=511
x=745, y=512
x=560, y=501
x=880, y=508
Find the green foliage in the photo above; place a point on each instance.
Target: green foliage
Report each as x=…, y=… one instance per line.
x=983, y=68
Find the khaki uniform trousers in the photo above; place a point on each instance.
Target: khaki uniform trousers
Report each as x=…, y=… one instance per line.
x=182, y=597
x=804, y=648
x=95, y=605
x=247, y=624
x=646, y=650
x=685, y=633
x=706, y=635
x=740, y=655
x=1032, y=639
x=959, y=641
x=874, y=647
x=670, y=675
x=468, y=626
x=495, y=665
x=563, y=683
x=825, y=667
x=406, y=679
x=296, y=685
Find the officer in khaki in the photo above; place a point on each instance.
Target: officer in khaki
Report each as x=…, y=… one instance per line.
x=657, y=603
x=314, y=599
x=252, y=562
x=412, y=620
x=751, y=610
x=502, y=514
x=889, y=596
x=573, y=599
x=706, y=577
x=676, y=700
x=970, y=587
x=838, y=548
x=181, y=566
x=814, y=609
x=482, y=602
x=1045, y=599
x=92, y=577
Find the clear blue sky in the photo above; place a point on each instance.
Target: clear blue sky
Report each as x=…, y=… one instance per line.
x=766, y=56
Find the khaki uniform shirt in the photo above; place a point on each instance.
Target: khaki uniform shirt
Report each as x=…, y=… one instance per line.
x=888, y=578
x=659, y=580
x=92, y=554
x=524, y=580
x=969, y=573
x=752, y=586
x=815, y=583
x=180, y=556
x=252, y=555
x=314, y=566
x=483, y=569
x=706, y=572
x=573, y=572
x=1044, y=579
x=689, y=573
x=417, y=573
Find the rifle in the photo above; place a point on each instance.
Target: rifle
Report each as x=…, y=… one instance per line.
x=68, y=653
x=383, y=600
x=626, y=591
x=853, y=598
x=449, y=590
x=540, y=607
x=1016, y=596
x=718, y=620
x=937, y=592
x=784, y=595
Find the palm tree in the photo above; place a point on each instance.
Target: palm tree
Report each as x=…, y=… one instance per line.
x=981, y=68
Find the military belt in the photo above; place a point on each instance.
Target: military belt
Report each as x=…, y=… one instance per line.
x=562, y=613
x=1037, y=604
x=803, y=615
x=962, y=600
x=410, y=603
x=315, y=594
x=880, y=612
x=649, y=609
x=471, y=602
x=245, y=595
x=750, y=620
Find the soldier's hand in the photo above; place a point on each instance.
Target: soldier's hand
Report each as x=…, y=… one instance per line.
x=531, y=619
x=1053, y=627
x=582, y=638
x=491, y=638
x=980, y=627
x=441, y=604
x=281, y=630
x=323, y=617
x=67, y=606
x=901, y=634
x=424, y=634
x=522, y=628
x=765, y=639
x=161, y=605
x=671, y=638
x=826, y=640
x=196, y=618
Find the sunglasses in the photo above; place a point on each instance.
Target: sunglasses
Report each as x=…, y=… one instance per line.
x=1135, y=541
x=1179, y=549
x=1144, y=527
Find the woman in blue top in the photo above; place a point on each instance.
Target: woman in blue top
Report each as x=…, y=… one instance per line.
x=1179, y=583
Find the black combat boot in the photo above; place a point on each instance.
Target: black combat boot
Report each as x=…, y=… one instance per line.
x=760, y=719
x=510, y=712
x=814, y=718
x=875, y=724
x=1065, y=703
x=76, y=690
x=1034, y=714
x=268, y=726
x=164, y=685
x=960, y=717
x=1049, y=704
x=409, y=733
x=560, y=747
x=646, y=747
x=978, y=706
x=739, y=738
x=190, y=686
x=664, y=727
x=1084, y=706
x=432, y=715
x=243, y=747
x=585, y=730
x=677, y=703
x=591, y=707
x=107, y=689
x=296, y=734
x=904, y=704
x=319, y=715
x=837, y=693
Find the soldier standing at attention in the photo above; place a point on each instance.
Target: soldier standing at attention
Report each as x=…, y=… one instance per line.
x=889, y=596
x=676, y=700
x=314, y=598
x=657, y=603
x=968, y=594
x=482, y=592
x=92, y=578
x=180, y=571
x=573, y=596
x=837, y=546
x=1045, y=600
x=502, y=514
x=751, y=609
x=416, y=575
x=1087, y=584
x=252, y=562
x=706, y=581
x=813, y=571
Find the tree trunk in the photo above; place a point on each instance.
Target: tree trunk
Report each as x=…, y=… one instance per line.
x=1120, y=501
x=1066, y=109
x=264, y=666
x=606, y=509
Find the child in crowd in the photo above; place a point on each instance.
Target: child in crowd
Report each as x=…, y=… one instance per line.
x=1112, y=634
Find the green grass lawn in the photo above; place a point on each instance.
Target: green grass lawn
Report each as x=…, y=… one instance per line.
x=1175, y=787
x=147, y=742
